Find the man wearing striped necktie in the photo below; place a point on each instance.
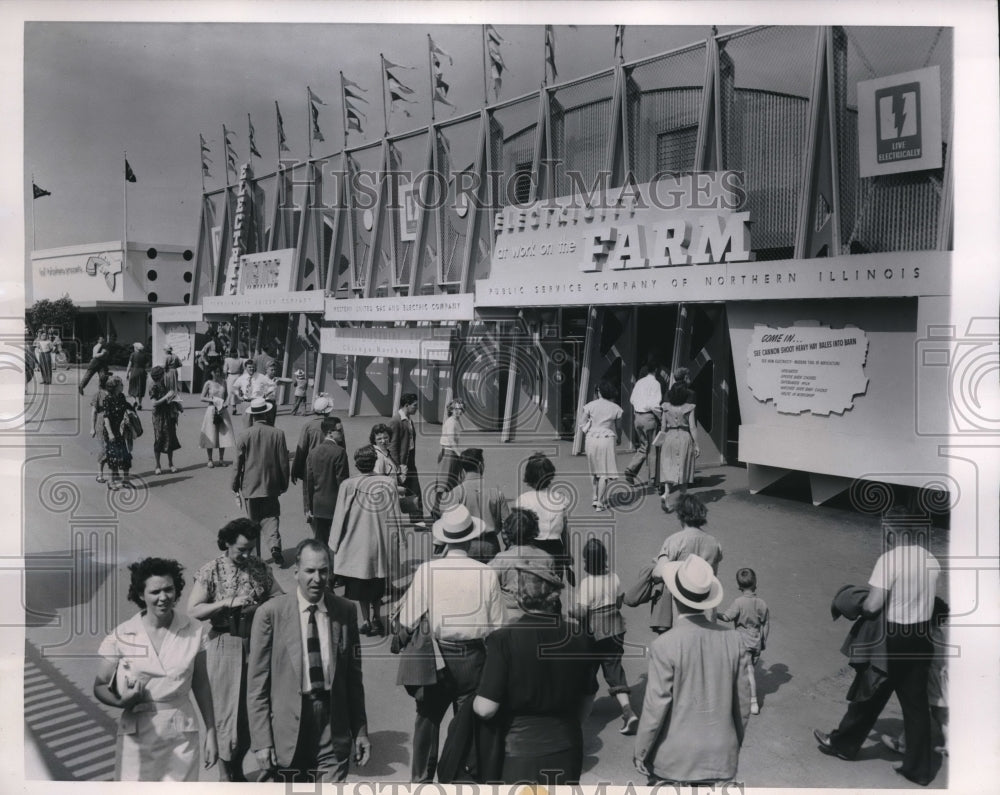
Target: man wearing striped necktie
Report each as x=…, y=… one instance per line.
x=305, y=695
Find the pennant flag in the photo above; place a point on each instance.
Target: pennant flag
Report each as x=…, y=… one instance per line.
x=313, y=97
x=205, y=159
x=497, y=65
x=253, y=142
x=438, y=51
x=619, y=43
x=317, y=135
x=550, y=50
x=390, y=65
x=204, y=169
x=352, y=113
x=204, y=146
x=39, y=192
x=397, y=90
x=129, y=173
x=230, y=152
x=282, y=141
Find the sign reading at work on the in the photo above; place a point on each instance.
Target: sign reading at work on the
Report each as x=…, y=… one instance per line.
x=807, y=368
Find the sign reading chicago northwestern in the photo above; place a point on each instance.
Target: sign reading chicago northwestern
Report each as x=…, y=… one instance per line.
x=899, y=123
x=807, y=368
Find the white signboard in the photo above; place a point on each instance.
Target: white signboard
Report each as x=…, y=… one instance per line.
x=899, y=123
x=301, y=301
x=85, y=276
x=426, y=344
x=807, y=368
x=267, y=272
x=423, y=307
x=175, y=314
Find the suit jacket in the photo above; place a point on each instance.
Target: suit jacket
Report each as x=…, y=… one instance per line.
x=326, y=469
x=274, y=676
x=399, y=439
x=261, y=462
x=697, y=703
x=311, y=435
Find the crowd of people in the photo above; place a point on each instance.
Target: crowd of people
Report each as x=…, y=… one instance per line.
x=497, y=626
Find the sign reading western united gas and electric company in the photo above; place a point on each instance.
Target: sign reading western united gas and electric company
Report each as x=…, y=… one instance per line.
x=418, y=307
x=681, y=238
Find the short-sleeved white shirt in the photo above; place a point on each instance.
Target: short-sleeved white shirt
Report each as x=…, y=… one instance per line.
x=909, y=575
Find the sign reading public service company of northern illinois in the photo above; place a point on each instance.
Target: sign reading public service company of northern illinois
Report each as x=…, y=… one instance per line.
x=683, y=238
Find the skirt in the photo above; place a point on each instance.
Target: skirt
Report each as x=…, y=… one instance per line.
x=170, y=378
x=160, y=744
x=677, y=458
x=44, y=360
x=165, y=432
x=363, y=590
x=118, y=454
x=216, y=435
x=601, y=456
x=137, y=384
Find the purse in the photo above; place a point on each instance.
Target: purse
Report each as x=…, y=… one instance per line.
x=659, y=439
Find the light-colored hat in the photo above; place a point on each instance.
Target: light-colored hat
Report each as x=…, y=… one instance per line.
x=138, y=346
x=168, y=349
x=691, y=581
x=457, y=525
x=322, y=404
x=259, y=406
x=300, y=372
x=545, y=568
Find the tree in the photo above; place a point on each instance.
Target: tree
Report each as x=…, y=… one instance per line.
x=59, y=313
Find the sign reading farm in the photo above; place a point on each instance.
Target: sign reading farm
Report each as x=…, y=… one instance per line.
x=807, y=368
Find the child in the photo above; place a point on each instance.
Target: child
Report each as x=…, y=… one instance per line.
x=599, y=601
x=300, y=390
x=749, y=613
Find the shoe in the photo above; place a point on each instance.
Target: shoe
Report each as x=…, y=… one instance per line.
x=173, y=469
x=827, y=747
x=599, y=507
x=630, y=722
x=595, y=503
x=918, y=781
x=754, y=707
x=365, y=629
x=893, y=743
x=157, y=471
x=101, y=479
x=378, y=628
x=277, y=557
x=629, y=478
x=210, y=465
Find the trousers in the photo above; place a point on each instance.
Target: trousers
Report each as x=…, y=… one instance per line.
x=266, y=511
x=315, y=758
x=646, y=426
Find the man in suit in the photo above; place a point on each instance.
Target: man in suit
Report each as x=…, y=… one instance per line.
x=261, y=472
x=305, y=694
x=311, y=435
x=403, y=445
x=697, y=702
x=326, y=469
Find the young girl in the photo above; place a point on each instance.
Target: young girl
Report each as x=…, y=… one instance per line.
x=749, y=613
x=300, y=382
x=599, y=601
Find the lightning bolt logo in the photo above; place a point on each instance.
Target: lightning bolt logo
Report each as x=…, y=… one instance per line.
x=899, y=112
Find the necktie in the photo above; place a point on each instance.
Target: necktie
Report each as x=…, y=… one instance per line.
x=316, y=679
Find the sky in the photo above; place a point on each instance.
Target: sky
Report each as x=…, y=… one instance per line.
x=94, y=91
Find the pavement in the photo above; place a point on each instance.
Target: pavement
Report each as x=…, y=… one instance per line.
x=78, y=537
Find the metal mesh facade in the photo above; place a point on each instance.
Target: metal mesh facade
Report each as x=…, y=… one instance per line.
x=581, y=116
x=519, y=123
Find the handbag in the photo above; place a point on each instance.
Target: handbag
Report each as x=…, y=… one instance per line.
x=135, y=424
x=659, y=439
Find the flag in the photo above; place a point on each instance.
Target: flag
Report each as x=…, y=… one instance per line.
x=438, y=51
x=317, y=134
x=253, y=142
x=550, y=50
x=619, y=43
x=398, y=91
x=497, y=65
x=352, y=113
x=39, y=192
x=205, y=159
x=129, y=173
x=282, y=144
x=230, y=152
x=204, y=146
x=313, y=97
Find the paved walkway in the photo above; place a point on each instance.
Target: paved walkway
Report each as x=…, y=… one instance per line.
x=79, y=536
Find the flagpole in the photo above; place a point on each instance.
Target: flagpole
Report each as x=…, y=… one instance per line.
x=545, y=48
x=277, y=129
x=225, y=152
x=430, y=71
x=343, y=107
x=125, y=210
x=385, y=112
x=309, y=124
x=486, y=69
x=201, y=158
x=32, y=210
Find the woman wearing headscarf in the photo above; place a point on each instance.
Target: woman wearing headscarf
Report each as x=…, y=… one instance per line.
x=165, y=411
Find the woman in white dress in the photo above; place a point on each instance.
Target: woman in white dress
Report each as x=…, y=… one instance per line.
x=600, y=421
x=217, y=426
x=151, y=664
